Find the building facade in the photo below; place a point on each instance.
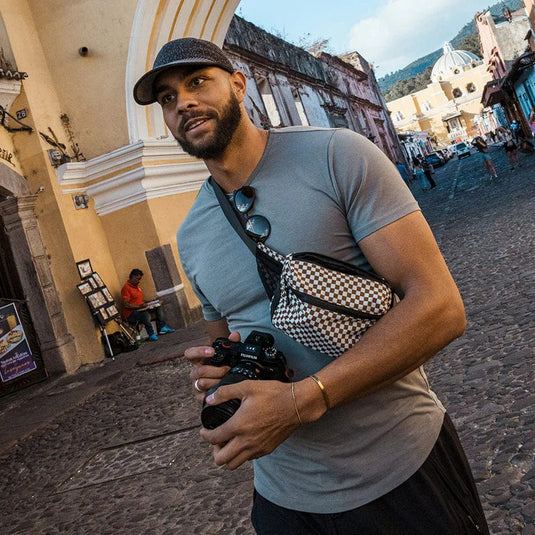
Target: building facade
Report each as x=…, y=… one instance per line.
x=502, y=40
x=288, y=86
x=449, y=107
x=530, y=12
x=507, y=45
x=91, y=181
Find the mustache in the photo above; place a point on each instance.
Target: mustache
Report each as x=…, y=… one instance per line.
x=194, y=115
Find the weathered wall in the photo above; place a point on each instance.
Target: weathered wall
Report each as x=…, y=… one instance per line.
x=91, y=88
x=333, y=91
x=247, y=36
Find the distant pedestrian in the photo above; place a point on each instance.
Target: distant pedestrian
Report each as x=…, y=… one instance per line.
x=403, y=172
x=420, y=176
x=515, y=129
x=483, y=151
x=531, y=121
x=511, y=149
x=428, y=171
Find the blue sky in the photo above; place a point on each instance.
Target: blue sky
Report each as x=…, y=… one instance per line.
x=388, y=33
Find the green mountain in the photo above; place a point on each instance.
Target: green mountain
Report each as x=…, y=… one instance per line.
x=420, y=65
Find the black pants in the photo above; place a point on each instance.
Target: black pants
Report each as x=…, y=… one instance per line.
x=429, y=177
x=439, y=499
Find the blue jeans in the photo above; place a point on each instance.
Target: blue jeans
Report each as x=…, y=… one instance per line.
x=144, y=316
x=439, y=499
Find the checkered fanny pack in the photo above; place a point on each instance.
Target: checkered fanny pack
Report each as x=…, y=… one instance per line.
x=321, y=302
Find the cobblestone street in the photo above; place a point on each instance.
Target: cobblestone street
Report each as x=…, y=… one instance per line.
x=115, y=448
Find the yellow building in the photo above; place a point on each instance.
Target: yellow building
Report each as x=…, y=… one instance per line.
x=449, y=107
x=85, y=173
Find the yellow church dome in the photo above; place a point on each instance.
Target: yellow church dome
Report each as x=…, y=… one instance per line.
x=453, y=62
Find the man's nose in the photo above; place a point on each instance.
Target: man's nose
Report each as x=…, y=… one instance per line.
x=185, y=101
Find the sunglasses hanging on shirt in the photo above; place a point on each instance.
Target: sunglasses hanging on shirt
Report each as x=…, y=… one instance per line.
x=257, y=226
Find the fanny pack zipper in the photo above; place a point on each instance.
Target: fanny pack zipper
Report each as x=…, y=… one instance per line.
x=340, y=309
x=337, y=265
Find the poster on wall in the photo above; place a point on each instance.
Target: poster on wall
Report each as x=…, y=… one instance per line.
x=15, y=354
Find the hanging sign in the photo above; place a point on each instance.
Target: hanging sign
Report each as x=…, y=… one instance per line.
x=15, y=354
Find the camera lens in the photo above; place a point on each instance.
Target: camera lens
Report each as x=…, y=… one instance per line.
x=213, y=416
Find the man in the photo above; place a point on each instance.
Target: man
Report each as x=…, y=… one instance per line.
x=511, y=149
x=428, y=171
x=364, y=446
x=136, y=309
x=515, y=130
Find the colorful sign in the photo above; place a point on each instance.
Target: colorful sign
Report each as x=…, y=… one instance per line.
x=15, y=354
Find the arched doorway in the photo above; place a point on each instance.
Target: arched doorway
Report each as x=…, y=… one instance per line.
x=27, y=288
x=21, y=362
x=156, y=23
x=10, y=287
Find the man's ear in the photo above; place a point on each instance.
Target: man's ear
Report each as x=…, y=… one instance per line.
x=238, y=82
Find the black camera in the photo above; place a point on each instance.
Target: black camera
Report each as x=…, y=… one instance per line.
x=255, y=358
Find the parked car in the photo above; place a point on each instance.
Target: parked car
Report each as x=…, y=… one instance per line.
x=435, y=159
x=446, y=153
x=462, y=150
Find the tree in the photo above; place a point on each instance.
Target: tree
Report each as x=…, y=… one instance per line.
x=313, y=45
x=405, y=87
x=471, y=44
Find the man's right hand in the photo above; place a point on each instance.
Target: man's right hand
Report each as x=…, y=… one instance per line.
x=202, y=375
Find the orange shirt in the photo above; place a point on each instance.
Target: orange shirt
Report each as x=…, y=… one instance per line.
x=132, y=295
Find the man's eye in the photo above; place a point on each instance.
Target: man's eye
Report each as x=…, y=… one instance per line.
x=165, y=98
x=197, y=82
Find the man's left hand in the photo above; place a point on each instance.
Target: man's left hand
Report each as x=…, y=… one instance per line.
x=265, y=419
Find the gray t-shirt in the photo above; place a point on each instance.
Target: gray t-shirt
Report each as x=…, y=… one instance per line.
x=322, y=190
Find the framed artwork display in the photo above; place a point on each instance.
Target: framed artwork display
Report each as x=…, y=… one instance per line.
x=85, y=288
x=107, y=294
x=96, y=293
x=96, y=300
x=96, y=277
x=84, y=268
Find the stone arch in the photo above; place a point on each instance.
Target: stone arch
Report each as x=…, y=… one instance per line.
x=155, y=23
x=11, y=183
x=26, y=271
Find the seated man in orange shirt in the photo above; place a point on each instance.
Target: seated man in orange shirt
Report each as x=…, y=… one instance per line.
x=135, y=307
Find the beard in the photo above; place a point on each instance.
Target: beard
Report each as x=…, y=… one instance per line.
x=215, y=144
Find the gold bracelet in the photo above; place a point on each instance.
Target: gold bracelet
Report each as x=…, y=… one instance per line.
x=323, y=391
x=295, y=405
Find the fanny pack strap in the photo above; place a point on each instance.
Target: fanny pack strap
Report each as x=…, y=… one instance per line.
x=267, y=260
x=231, y=215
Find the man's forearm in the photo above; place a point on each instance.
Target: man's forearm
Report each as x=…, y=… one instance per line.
x=133, y=307
x=428, y=317
x=410, y=334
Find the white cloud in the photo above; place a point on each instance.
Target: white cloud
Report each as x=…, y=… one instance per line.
x=404, y=30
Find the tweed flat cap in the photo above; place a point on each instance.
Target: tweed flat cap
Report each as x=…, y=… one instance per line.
x=185, y=51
